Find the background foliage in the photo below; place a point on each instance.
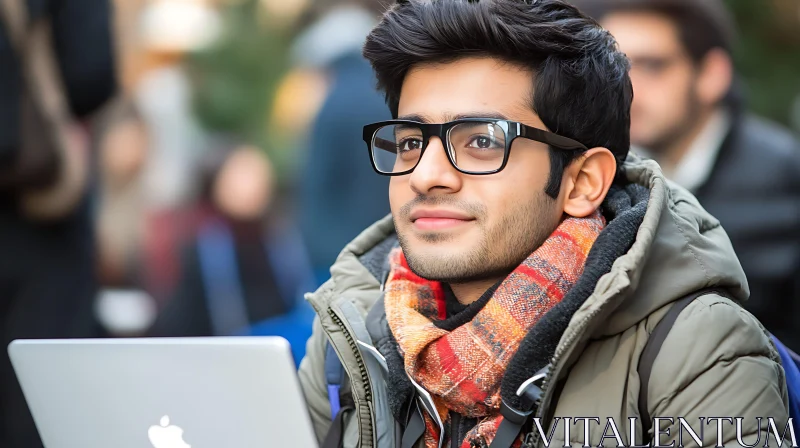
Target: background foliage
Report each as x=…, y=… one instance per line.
x=768, y=56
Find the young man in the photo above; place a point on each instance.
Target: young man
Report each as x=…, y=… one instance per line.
x=688, y=116
x=520, y=246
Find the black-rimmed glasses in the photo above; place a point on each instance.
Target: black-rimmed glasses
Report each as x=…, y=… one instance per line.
x=473, y=145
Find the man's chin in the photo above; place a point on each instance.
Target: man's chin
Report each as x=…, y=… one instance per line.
x=425, y=256
x=434, y=255
x=448, y=268
x=432, y=267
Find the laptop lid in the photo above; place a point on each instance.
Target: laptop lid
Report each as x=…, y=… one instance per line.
x=163, y=392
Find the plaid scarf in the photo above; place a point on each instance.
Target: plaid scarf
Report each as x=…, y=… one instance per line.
x=462, y=369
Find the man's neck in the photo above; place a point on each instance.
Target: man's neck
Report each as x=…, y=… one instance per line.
x=466, y=293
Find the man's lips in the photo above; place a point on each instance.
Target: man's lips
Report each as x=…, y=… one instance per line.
x=438, y=219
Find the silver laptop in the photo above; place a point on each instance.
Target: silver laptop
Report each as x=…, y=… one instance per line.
x=163, y=393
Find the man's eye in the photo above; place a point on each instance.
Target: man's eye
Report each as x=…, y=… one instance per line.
x=483, y=142
x=410, y=144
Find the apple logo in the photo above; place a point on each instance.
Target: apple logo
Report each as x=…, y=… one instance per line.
x=166, y=435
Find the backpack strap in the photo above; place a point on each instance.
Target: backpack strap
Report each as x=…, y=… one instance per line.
x=791, y=369
x=334, y=374
x=340, y=401
x=653, y=346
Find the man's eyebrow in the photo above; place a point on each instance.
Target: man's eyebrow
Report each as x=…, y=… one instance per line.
x=452, y=117
x=492, y=115
x=414, y=117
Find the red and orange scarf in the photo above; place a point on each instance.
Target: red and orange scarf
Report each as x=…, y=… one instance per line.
x=462, y=369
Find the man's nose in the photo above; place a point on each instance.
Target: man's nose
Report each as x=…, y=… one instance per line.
x=434, y=170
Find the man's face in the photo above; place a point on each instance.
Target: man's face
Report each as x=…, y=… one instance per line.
x=456, y=227
x=665, y=103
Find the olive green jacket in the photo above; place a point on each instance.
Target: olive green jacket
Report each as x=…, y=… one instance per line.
x=718, y=361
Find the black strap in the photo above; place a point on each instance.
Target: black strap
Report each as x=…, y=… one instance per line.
x=507, y=433
x=514, y=419
x=653, y=346
x=335, y=437
x=415, y=428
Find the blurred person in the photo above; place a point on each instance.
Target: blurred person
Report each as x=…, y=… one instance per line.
x=123, y=306
x=528, y=255
x=123, y=145
x=245, y=265
x=688, y=114
x=47, y=278
x=339, y=194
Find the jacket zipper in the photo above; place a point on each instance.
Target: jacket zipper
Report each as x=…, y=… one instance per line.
x=362, y=367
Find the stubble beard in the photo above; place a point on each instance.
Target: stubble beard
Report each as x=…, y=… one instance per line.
x=500, y=249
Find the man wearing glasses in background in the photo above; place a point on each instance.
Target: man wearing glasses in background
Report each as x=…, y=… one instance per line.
x=688, y=115
x=527, y=257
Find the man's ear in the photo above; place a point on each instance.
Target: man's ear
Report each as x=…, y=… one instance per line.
x=587, y=180
x=714, y=77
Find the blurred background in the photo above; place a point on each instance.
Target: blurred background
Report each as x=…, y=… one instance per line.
x=224, y=167
x=220, y=104
x=200, y=79
x=203, y=80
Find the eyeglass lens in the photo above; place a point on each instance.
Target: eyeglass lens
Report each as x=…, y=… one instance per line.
x=472, y=146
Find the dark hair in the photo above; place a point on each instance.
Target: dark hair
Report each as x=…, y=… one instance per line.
x=581, y=86
x=703, y=25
